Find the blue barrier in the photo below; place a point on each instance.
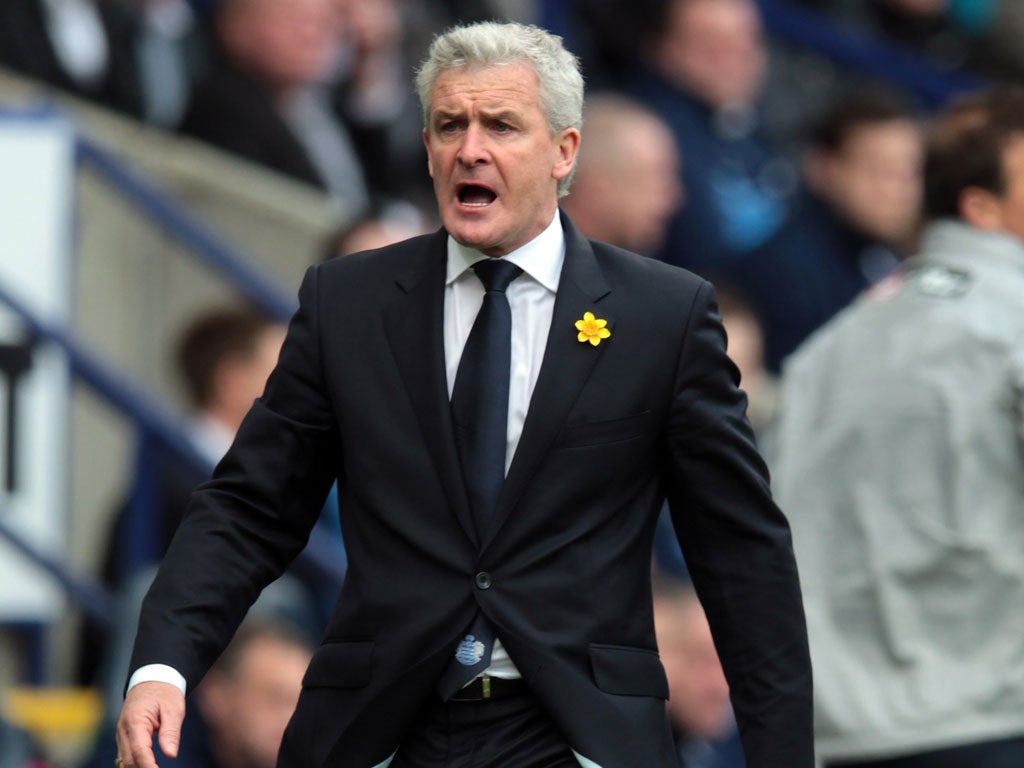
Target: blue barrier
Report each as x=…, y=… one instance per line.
x=95, y=601
x=155, y=422
x=144, y=409
x=184, y=226
x=865, y=53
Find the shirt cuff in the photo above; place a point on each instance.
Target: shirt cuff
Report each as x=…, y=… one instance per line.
x=157, y=673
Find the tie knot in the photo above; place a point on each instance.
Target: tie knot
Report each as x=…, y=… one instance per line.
x=496, y=274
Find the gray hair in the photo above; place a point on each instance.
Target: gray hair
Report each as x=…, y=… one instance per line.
x=491, y=43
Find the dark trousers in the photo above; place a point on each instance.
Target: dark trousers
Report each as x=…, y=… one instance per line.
x=1005, y=753
x=499, y=733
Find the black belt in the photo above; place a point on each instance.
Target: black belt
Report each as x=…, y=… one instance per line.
x=487, y=688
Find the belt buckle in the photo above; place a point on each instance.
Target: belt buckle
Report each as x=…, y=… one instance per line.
x=485, y=685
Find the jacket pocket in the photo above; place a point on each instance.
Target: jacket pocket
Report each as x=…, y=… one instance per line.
x=627, y=671
x=605, y=431
x=340, y=665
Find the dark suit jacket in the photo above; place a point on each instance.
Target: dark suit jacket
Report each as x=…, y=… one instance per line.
x=360, y=394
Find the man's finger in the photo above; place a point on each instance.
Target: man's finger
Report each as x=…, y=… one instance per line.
x=134, y=746
x=150, y=709
x=170, y=727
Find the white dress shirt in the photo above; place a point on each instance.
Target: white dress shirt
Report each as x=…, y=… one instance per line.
x=531, y=298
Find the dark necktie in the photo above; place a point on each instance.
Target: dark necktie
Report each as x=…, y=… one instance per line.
x=480, y=415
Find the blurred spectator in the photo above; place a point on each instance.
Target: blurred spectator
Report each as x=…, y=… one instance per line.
x=864, y=164
x=238, y=714
x=373, y=94
x=626, y=184
x=609, y=37
x=265, y=97
x=385, y=225
x=248, y=697
x=698, y=705
x=855, y=221
x=703, y=73
x=84, y=47
x=224, y=357
x=900, y=463
x=172, y=54
x=745, y=347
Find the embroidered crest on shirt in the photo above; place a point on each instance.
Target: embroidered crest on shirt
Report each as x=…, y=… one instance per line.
x=470, y=651
x=941, y=282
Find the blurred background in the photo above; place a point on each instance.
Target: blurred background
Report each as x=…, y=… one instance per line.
x=169, y=168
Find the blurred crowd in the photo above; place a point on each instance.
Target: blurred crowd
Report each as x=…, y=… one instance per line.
x=793, y=184
x=755, y=162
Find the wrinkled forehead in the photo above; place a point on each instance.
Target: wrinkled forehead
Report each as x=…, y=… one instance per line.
x=513, y=85
x=498, y=80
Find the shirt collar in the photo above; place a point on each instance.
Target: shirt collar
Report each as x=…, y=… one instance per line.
x=541, y=258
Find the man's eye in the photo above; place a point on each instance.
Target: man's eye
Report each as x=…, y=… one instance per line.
x=501, y=127
x=449, y=127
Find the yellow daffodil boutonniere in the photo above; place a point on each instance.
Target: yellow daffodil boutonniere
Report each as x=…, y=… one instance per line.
x=592, y=329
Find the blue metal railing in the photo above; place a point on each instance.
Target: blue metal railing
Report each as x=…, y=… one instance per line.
x=145, y=410
x=156, y=424
x=95, y=601
x=864, y=52
x=181, y=224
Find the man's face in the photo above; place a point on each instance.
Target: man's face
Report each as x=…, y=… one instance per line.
x=493, y=158
x=648, y=189
x=874, y=180
x=714, y=49
x=241, y=378
x=248, y=713
x=287, y=44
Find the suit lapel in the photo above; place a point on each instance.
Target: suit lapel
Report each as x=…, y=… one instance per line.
x=565, y=368
x=415, y=330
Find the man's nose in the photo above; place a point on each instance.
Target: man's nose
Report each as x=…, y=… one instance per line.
x=473, y=149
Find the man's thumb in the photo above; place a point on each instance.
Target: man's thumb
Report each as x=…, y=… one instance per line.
x=170, y=737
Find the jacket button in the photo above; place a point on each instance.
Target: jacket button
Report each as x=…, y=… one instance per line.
x=483, y=580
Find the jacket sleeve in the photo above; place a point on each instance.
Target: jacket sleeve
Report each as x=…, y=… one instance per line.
x=738, y=548
x=244, y=526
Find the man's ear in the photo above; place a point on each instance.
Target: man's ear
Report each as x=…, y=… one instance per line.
x=426, y=143
x=568, y=145
x=981, y=208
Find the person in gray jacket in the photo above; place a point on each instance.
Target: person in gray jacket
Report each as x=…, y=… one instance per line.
x=901, y=465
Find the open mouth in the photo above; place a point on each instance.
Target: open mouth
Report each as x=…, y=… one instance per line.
x=476, y=196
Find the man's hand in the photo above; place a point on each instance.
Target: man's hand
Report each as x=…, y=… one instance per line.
x=149, y=708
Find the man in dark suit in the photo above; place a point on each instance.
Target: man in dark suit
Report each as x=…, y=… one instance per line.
x=497, y=609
